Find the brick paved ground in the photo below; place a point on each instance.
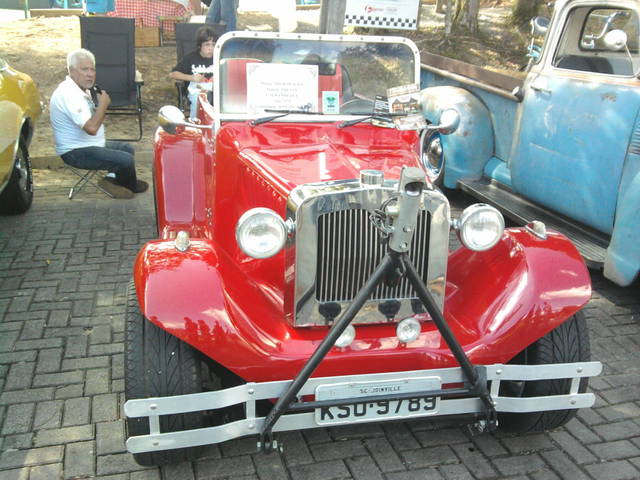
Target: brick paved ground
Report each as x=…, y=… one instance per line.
x=64, y=268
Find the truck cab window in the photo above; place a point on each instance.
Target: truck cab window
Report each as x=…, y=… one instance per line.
x=583, y=46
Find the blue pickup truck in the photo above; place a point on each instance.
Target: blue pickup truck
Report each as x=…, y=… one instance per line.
x=561, y=144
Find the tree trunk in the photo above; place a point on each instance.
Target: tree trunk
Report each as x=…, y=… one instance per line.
x=523, y=11
x=465, y=15
x=448, y=20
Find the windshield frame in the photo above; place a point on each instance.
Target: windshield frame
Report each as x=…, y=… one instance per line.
x=222, y=117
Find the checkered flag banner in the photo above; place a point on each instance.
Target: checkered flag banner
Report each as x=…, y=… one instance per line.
x=390, y=14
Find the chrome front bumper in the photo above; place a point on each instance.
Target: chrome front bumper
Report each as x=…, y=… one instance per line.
x=248, y=394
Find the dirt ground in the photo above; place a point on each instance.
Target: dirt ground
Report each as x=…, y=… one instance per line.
x=38, y=46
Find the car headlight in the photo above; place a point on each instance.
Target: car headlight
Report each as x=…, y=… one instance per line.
x=261, y=233
x=480, y=227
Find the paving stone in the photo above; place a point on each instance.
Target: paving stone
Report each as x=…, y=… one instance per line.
x=79, y=460
x=615, y=450
x=619, y=470
x=110, y=437
x=573, y=448
x=48, y=415
x=20, y=376
x=424, y=474
x=119, y=463
x=335, y=450
x=320, y=471
x=69, y=391
x=446, y=436
x=363, y=468
x=18, y=418
x=225, y=467
x=64, y=435
x=97, y=381
x=519, y=464
x=296, y=451
x=46, y=472
x=34, y=456
x=16, y=474
x=385, y=457
x=105, y=408
x=560, y=462
x=474, y=460
x=17, y=441
x=52, y=379
x=15, y=357
x=146, y=475
x=617, y=430
x=455, y=472
x=49, y=360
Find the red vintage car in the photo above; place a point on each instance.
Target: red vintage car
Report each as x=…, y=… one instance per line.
x=302, y=276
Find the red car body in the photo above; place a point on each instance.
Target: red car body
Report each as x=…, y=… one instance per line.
x=232, y=308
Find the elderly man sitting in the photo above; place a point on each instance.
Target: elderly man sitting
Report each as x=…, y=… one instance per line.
x=77, y=121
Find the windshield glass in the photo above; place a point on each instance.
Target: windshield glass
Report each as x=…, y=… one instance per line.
x=333, y=77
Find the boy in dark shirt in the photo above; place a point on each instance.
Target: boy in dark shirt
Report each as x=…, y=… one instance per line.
x=197, y=67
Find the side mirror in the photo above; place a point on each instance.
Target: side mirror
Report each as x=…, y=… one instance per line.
x=171, y=117
x=449, y=121
x=615, y=40
x=539, y=26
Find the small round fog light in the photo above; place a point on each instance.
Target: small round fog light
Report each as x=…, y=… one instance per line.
x=345, y=339
x=408, y=330
x=181, y=241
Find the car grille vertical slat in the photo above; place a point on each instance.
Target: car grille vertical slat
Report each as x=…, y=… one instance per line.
x=350, y=248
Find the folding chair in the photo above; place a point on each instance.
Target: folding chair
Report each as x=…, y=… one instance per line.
x=85, y=176
x=112, y=41
x=186, y=43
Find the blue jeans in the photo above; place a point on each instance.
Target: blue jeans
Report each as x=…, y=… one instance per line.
x=116, y=157
x=223, y=11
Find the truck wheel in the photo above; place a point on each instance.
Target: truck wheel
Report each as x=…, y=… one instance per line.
x=18, y=194
x=432, y=156
x=158, y=364
x=569, y=342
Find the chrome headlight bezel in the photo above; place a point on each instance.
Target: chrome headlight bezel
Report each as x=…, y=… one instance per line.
x=260, y=217
x=468, y=234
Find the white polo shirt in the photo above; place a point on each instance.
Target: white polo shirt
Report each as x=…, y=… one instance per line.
x=69, y=109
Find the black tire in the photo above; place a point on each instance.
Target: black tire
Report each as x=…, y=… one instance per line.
x=432, y=157
x=17, y=196
x=568, y=342
x=157, y=364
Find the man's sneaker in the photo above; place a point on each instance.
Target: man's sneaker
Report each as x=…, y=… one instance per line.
x=141, y=186
x=117, y=191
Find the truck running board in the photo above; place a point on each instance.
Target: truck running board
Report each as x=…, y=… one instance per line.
x=591, y=244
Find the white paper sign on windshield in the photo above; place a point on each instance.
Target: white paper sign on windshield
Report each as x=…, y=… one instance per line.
x=280, y=86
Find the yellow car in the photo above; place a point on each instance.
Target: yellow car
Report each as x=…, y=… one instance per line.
x=20, y=107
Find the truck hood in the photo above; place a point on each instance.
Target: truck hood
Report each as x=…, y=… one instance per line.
x=295, y=154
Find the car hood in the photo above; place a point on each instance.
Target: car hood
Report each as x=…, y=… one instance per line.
x=295, y=154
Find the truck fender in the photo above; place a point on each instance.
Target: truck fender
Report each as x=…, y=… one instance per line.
x=622, y=262
x=468, y=149
x=179, y=171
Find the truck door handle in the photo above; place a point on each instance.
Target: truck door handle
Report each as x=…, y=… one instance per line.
x=539, y=86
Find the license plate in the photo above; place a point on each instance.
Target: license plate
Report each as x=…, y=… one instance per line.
x=363, y=410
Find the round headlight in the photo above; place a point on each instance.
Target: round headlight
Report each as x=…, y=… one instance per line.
x=261, y=233
x=480, y=227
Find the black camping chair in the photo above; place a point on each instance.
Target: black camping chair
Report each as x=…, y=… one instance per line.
x=186, y=43
x=112, y=41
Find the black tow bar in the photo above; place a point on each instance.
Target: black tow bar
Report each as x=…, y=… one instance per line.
x=395, y=262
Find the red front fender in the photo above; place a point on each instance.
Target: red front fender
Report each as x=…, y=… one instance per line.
x=497, y=303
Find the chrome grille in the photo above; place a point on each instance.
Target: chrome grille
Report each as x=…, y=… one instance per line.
x=350, y=248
